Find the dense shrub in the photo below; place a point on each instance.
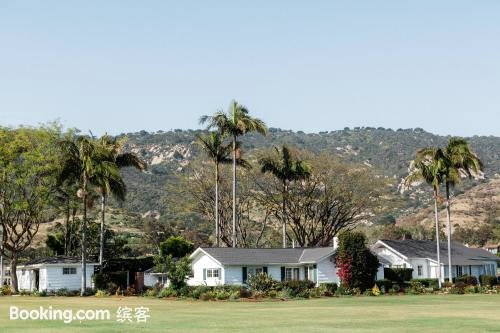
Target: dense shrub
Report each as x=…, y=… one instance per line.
x=398, y=275
x=296, y=287
x=428, y=283
x=396, y=288
x=416, y=288
x=101, y=293
x=151, y=292
x=261, y=282
x=384, y=285
x=5, y=290
x=63, y=292
x=471, y=289
x=222, y=293
x=101, y=281
x=458, y=288
x=343, y=291
x=198, y=291
x=328, y=289
x=467, y=279
x=39, y=293
x=488, y=280
x=357, y=266
x=167, y=292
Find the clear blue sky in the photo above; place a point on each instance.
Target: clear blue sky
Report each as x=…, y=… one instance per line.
x=122, y=66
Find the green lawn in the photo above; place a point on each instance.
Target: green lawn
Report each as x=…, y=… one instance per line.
x=436, y=313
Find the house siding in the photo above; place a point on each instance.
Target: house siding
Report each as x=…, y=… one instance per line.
x=201, y=262
x=327, y=272
x=51, y=278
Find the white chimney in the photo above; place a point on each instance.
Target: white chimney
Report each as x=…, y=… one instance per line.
x=335, y=242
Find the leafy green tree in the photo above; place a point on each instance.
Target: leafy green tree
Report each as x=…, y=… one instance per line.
x=55, y=244
x=28, y=168
x=178, y=272
x=286, y=168
x=176, y=246
x=235, y=122
x=357, y=264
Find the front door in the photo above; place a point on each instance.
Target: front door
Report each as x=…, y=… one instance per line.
x=36, y=276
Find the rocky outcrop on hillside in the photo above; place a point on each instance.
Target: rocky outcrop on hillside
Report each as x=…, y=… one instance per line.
x=475, y=207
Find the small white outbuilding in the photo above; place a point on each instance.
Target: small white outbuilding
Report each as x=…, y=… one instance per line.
x=52, y=274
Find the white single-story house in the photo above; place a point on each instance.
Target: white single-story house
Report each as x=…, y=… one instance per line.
x=55, y=273
x=420, y=255
x=152, y=279
x=233, y=266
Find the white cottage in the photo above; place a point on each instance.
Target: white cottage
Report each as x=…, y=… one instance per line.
x=55, y=273
x=226, y=265
x=421, y=256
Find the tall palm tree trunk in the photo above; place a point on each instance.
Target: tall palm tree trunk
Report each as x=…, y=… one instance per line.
x=101, y=244
x=234, y=192
x=84, y=237
x=217, y=236
x=66, y=229
x=436, y=217
x=448, y=216
x=283, y=213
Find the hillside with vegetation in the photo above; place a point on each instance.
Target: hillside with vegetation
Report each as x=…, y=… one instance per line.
x=388, y=152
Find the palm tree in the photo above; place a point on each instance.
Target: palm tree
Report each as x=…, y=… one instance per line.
x=234, y=123
x=286, y=169
x=429, y=163
x=81, y=156
x=458, y=159
x=218, y=152
x=108, y=178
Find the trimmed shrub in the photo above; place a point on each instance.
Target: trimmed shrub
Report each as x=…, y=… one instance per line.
x=398, y=275
x=488, y=280
x=467, y=279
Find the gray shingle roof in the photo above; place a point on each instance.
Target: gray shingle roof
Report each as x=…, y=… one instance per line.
x=460, y=254
x=55, y=260
x=261, y=256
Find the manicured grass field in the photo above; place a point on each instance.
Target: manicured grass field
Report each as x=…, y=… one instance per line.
x=436, y=313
